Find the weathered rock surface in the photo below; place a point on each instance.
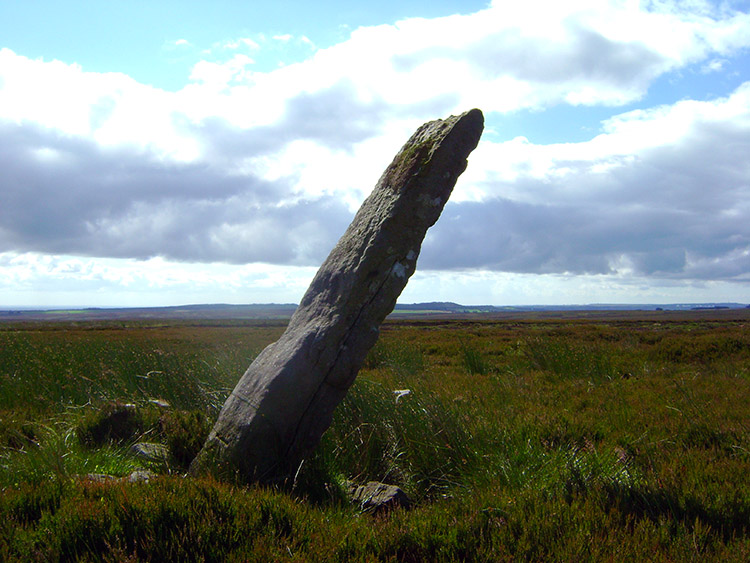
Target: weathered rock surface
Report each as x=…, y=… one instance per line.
x=377, y=497
x=142, y=475
x=284, y=402
x=151, y=451
x=96, y=477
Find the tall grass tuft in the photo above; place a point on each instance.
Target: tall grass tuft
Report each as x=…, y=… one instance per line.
x=53, y=373
x=415, y=441
x=570, y=361
x=58, y=455
x=404, y=359
x=473, y=360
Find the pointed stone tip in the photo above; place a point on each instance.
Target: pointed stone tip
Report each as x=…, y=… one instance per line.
x=475, y=116
x=475, y=113
x=470, y=124
x=472, y=120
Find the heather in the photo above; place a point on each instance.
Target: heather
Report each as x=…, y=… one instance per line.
x=602, y=437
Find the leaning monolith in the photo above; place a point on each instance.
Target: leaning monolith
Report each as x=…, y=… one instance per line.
x=284, y=402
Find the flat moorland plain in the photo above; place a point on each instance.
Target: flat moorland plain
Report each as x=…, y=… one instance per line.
x=610, y=436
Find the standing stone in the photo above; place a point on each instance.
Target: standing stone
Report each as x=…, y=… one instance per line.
x=284, y=402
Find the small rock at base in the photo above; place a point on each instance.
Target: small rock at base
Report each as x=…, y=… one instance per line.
x=141, y=476
x=150, y=451
x=96, y=477
x=376, y=497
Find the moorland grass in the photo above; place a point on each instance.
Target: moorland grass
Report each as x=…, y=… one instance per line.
x=537, y=440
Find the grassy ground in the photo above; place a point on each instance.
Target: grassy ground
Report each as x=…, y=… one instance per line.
x=605, y=439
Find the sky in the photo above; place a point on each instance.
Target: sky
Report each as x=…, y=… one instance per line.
x=167, y=153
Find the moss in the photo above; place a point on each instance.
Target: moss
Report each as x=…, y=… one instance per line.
x=416, y=157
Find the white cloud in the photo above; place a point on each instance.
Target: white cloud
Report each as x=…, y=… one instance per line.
x=174, y=47
x=714, y=65
x=530, y=54
x=482, y=287
x=220, y=75
x=31, y=279
x=504, y=58
x=111, y=108
x=242, y=42
x=662, y=192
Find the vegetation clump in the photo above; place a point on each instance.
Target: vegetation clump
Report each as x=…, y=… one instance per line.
x=185, y=433
x=114, y=422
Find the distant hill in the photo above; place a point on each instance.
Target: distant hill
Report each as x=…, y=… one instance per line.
x=283, y=311
x=449, y=307
x=216, y=311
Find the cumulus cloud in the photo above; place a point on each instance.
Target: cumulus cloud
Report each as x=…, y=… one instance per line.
x=714, y=65
x=67, y=195
x=662, y=193
x=528, y=55
x=242, y=42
